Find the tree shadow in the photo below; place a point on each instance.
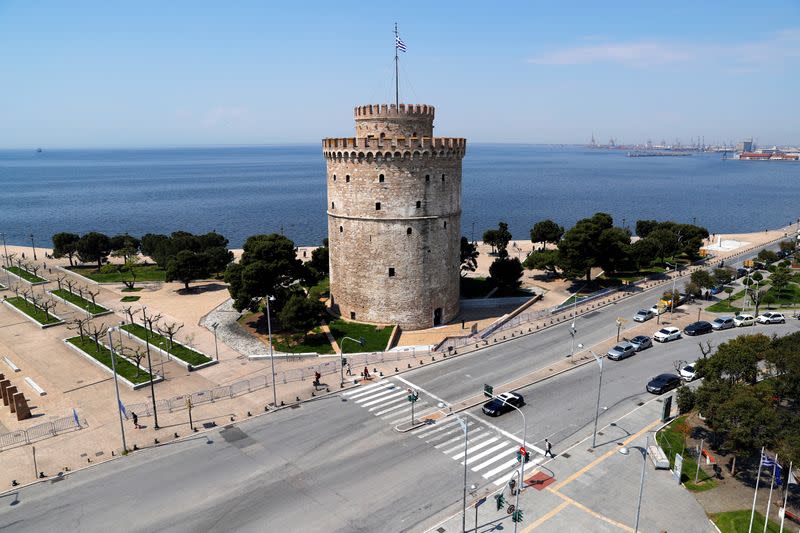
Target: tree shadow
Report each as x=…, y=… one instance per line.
x=200, y=289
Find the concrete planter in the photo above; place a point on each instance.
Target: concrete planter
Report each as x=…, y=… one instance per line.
x=188, y=366
x=57, y=297
x=45, y=282
x=26, y=315
x=130, y=384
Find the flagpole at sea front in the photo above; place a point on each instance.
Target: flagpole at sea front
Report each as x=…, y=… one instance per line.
x=396, y=70
x=769, y=500
x=786, y=495
x=755, y=494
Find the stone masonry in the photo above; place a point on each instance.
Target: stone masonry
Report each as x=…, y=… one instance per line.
x=394, y=218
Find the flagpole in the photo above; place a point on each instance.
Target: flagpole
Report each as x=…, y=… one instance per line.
x=116, y=386
x=786, y=496
x=772, y=484
x=396, y=71
x=755, y=494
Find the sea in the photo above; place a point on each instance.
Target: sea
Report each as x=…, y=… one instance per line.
x=242, y=191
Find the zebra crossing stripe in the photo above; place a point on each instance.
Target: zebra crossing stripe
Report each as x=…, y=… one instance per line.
x=379, y=413
x=383, y=398
x=471, y=440
x=472, y=458
x=443, y=435
x=363, y=390
x=454, y=439
x=435, y=429
x=476, y=447
x=500, y=468
x=502, y=480
x=494, y=459
x=384, y=392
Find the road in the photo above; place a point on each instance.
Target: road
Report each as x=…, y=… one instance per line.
x=336, y=464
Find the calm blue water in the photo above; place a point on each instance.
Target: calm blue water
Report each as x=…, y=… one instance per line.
x=248, y=190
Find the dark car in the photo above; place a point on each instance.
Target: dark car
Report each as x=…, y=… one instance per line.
x=503, y=403
x=741, y=272
x=663, y=383
x=698, y=328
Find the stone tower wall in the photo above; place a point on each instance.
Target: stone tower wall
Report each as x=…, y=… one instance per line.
x=416, y=231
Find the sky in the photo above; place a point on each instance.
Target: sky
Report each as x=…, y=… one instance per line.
x=99, y=74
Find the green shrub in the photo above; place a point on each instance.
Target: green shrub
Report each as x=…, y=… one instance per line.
x=685, y=399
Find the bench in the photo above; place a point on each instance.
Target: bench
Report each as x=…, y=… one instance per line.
x=11, y=364
x=659, y=458
x=40, y=391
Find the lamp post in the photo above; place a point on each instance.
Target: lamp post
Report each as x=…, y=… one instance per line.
x=572, y=330
x=271, y=357
x=5, y=249
x=465, y=429
x=342, y=360
x=214, y=327
x=524, y=446
x=150, y=367
x=672, y=299
x=625, y=451
x=599, y=361
x=116, y=387
x=33, y=248
x=474, y=489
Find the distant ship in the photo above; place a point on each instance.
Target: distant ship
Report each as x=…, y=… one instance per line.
x=38, y=150
x=658, y=154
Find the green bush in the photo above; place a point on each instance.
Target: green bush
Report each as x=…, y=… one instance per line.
x=685, y=399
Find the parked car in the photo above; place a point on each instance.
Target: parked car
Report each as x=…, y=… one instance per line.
x=621, y=351
x=655, y=312
x=689, y=372
x=667, y=334
x=771, y=318
x=640, y=342
x=717, y=289
x=741, y=272
x=744, y=320
x=723, y=322
x=643, y=315
x=502, y=404
x=663, y=383
x=700, y=327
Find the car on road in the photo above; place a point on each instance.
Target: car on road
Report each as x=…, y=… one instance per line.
x=700, y=327
x=643, y=315
x=621, y=351
x=743, y=319
x=723, y=322
x=689, y=372
x=716, y=289
x=667, y=334
x=771, y=318
x=640, y=342
x=503, y=403
x=663, y=383
x=741, y=272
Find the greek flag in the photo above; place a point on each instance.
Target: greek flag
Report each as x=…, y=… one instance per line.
x=399, y=44
x=766, y=460
x=122, y=410
x=792, y=479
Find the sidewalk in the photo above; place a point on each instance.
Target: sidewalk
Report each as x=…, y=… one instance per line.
x=592, y=490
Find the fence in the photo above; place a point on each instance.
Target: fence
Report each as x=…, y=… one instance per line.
x=39, y=432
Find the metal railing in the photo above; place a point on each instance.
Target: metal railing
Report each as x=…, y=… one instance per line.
x=39, y=432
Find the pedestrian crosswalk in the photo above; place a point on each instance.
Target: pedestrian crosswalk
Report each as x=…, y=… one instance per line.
x=491, y=451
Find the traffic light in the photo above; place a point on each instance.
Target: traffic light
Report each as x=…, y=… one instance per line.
x=488, y=390
x=523, y=455
x=501, y=501
x=516, y=516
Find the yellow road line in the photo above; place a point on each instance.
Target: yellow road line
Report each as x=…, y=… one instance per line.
x=603, y=457
x=554, y=511
x=597, y=515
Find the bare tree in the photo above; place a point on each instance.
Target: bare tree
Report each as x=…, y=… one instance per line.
x=93, y=295
x=150, y=320
x=46, y=305
x=33, y=268
x=11, y=259
x=136, y=355
x=707, y=349
x=80, y=290
x=60, y=279
x=130, y=313
x=79, y=325
x=97, y=333
x=70, y=283
x=170, y=330
x=15, y=288
x=26, y=293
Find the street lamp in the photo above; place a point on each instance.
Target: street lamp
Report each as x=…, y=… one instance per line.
x=572, y=330
x=342, y=361
x=473, y=489
x=116, y=387
x=672, y=299
x=625, y=451
x=33, y=247
x=150, y=367
x=214, y=327
x=599, y=361
x=524, y=445
x=271, y=356
x=5, y=249
x=465, y=429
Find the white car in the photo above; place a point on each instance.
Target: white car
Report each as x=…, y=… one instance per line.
x=689, y=372
x=667, y=334
x=771, y=318
x=643, y=315
x=723, y=322
x=655, y=312
x=744, y=320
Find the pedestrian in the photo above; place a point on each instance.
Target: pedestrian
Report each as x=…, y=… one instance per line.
x=366, y=373
x=135, y=420
x=548, y=449
x=512, y=484
x=349, y=372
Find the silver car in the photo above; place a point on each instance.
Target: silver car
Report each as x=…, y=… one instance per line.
x=621, y=351
x=643, y=315
x=640, y=342
x=723, y=322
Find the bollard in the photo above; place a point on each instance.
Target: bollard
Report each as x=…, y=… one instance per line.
x=135, y=447
x=297, y=398
x=420, y=361
x=41, y=475
x=409, y=365
x=14, y=482
x=312, y=394
x=396, y=369
x=282, y=403
x=176, y=434
x=433, y=358
x=249, y=414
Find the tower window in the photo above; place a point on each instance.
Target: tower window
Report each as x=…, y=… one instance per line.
x=408, y=231
x=445, y=224
x=380, y=178
x=341, y=229
x=352, y=315
x=427, y=178
x=419, y=204
x=391, y=272
x=442, y=178
x=334, y=177
x=377, y=206
x=333, y=205
x=347, y=178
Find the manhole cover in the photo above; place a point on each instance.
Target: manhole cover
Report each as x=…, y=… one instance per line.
x=640, y=404
x=98, y=454
x=295, y=406
x=565, y=455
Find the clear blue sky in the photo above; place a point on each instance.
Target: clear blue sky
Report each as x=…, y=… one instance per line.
x=146, y=73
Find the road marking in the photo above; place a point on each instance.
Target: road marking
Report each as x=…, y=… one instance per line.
x=393, y=391
x=476, y=447
x=500, y=468
x=550, y=514
x=471, y=440
x=494, y=459
x=436, y=428
x=379, y=413
x=383, y=398
x=452, y=430
x=383, y=388
x=363, y=390
x=587, y=510
x=507, y=434
x=459, y=437
x=420, y=389
x=534, y=463
x=484, y=453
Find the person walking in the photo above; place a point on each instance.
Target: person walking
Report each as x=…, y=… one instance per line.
x=135, y=420
x=349, y=372
x=548, y=449
x=366, y=373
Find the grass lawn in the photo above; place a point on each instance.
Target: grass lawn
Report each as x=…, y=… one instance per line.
x=321, y=289
x=723, y=306
x=24, y=274
x=130, y=299
x=789, y=295
x=375, y=339
x=739, y=522
x=135, y=289
x=634, y=276
x=34, y=312
x=125, y=368
x=143, y=273
x=178, y=350
x=83, y=303
x=475, y=287
x=672, y=442
x=316, y=342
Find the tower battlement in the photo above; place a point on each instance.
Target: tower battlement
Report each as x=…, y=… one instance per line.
x=421, y=143
x=392, y=111
x=389, y=120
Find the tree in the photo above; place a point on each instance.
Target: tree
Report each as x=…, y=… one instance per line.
x=170, y=330
x=703, y=279
x=644, y=252
x=130, y=271
x=723, y=276
x=578, y=250
x=546, y=260
x=155, y=246
x=787, y=246
x=268, y=267
x=757, y=297
x=546, y=231
x=506, y=272
x=767, y=256
x=300, y=313
x=469, y=256
x=65, y=245
x=498, y=238
x=736, y=361
x=187, y=266
x=79, y=325
x=94, y=247
x=780, y=278
x=692, y=288
x=124, y=246
x=613, y=251
x=320, y=259
x=685, y=399
x=645, y=227
x=96, y=332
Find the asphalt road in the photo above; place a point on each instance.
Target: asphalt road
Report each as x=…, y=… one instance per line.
x=335, y=465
